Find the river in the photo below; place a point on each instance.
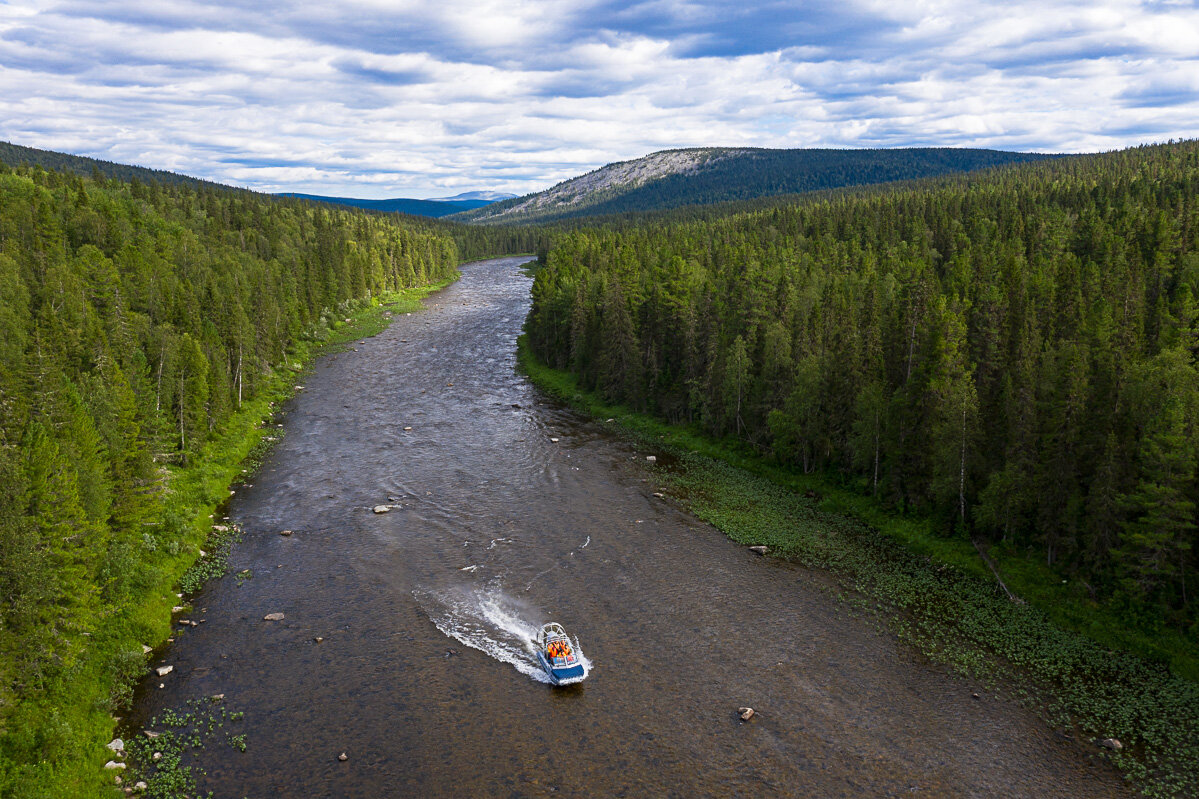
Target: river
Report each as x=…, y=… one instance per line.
x=423, y=677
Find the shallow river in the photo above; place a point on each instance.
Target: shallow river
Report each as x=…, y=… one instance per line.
x=424, y=678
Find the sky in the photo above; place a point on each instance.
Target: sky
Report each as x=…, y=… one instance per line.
x=426, y=98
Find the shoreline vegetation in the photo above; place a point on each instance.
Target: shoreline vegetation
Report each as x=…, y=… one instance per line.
x=204, y=489
x=933, y=593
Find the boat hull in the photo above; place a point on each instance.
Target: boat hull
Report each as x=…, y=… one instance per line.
x=562, y=675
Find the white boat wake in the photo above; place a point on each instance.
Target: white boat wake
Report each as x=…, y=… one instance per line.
x=493, y=623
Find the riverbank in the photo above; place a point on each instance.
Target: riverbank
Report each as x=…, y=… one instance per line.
x=102, y=680
x=933, y=593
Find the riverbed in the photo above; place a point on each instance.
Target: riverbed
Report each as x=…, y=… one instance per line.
x=507, y=511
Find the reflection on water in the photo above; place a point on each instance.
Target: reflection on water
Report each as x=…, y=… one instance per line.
x=423, y=674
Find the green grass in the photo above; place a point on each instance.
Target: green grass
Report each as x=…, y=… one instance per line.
x=77, y=715
x=936, y=594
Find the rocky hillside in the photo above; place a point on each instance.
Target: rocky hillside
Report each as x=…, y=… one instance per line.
x=674, y=178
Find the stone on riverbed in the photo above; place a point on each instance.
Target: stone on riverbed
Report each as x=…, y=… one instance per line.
x=273, y=617
x=382, y=509
x=1111, y=743
x=163, y=671
x=746, y=713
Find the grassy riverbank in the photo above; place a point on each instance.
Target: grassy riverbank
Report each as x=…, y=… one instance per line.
x=75, y=716
x=937, y=594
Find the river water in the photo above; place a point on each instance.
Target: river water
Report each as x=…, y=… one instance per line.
x=424, y=678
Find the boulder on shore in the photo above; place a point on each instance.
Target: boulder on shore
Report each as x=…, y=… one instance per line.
x=116, y=745
x=761, y=550
x=113, y=765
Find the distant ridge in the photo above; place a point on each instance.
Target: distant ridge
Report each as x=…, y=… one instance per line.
x=488, y=196
x=701, y=176
x=433, y=208
x=18, y=155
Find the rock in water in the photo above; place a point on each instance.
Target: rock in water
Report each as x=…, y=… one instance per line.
x=1111, y=743
x=761, y=550
x=163, y=671
x=116, y=745
x=273, y=617
x=746, y=713
x=113, y=765
x=381, y=508
x=651, y=458
x=343, y=757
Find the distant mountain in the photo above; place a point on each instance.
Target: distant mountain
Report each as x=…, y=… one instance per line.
x=434, y=208
x=674, y=178
x=17, y=155
x=488, y=196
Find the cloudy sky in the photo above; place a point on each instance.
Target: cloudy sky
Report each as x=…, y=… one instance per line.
x=416, y=98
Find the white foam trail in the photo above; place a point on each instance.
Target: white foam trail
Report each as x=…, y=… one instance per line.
x=468, y=568
x=585, y=543
x=491, y=622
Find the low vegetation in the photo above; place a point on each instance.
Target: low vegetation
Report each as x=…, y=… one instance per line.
x=932, y=592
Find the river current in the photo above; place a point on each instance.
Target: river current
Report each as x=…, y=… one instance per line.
x=508, y=511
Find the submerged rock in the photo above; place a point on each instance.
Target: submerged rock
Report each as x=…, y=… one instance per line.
x=273, y=617
x=382, y=509
x=746, y=713
x=343, y=757
x=1111, y=743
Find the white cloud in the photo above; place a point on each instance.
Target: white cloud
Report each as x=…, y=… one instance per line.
x=377, y=98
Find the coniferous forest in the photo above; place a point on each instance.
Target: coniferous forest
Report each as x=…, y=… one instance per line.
x=135, y=320
x=1013, y=353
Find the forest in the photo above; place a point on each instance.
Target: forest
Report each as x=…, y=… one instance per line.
x=1012, y=353
x=135, y=319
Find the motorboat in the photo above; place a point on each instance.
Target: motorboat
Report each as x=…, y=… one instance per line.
x=559, y=656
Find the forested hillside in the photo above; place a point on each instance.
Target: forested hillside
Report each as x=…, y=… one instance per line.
x=135, y=319
x=15, y=155
x=1014, y=354
x=675, y=178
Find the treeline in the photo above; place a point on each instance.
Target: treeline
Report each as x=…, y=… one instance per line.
x=135, y=319
x=1013, y=353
